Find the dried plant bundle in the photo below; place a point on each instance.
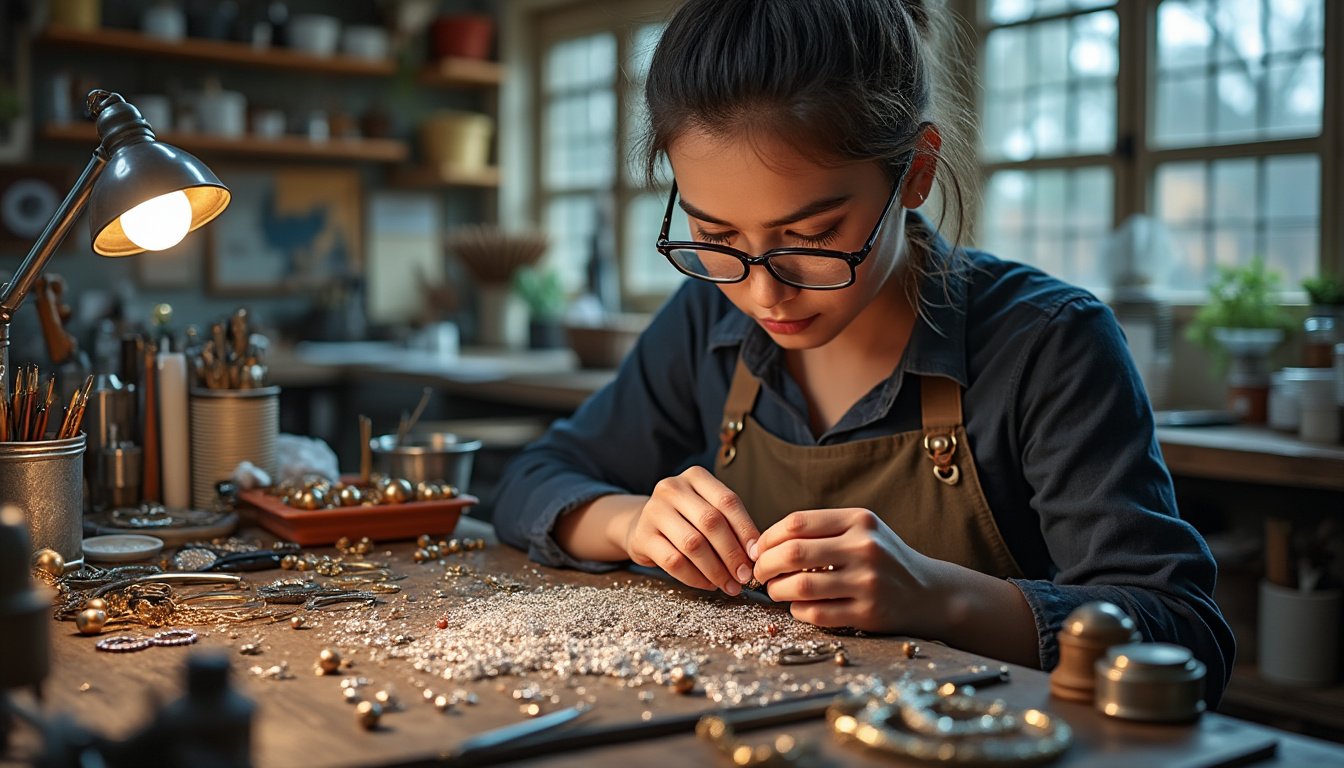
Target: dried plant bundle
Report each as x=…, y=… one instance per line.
x=492, y=255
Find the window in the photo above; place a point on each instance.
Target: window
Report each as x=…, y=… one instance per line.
x=1206, y=114
x=589, y=187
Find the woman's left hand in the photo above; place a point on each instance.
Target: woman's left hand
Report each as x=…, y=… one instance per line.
x=847, y=568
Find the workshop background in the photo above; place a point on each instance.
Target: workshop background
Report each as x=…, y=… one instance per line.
x=441, y=193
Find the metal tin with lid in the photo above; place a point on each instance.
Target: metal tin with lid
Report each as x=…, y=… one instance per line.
x=1152, y=682
x=1083, y=639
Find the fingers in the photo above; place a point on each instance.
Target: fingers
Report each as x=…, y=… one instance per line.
x=662, y=554
x=829, y=613
x=695, y=528
x=808, y=524
x=720, y=517
x=796, y=555
x=803, y=586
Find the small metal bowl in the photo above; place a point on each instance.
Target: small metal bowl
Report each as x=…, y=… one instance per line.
x=437, y=457
x=1152, y=682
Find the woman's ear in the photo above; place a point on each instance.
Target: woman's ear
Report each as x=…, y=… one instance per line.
x=919, y=180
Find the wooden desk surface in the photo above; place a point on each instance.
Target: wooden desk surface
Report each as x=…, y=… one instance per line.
x=1252, y=454
x=303, y=721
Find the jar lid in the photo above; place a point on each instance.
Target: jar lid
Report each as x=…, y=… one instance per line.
x=1156, y=682
x=1102, y=623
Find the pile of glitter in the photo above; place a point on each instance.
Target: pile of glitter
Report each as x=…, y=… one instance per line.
x=636, y=633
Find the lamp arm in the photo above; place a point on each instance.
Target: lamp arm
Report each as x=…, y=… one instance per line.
x=58, y=226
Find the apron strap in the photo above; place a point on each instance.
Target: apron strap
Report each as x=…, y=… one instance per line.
x=940, y=405
x=741, y=400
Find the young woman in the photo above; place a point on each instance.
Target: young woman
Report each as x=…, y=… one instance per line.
x=890, y=431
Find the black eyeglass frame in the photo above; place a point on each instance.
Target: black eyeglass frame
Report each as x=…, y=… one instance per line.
x=852, y=258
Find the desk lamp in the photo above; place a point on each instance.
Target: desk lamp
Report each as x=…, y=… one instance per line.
x=141, y=194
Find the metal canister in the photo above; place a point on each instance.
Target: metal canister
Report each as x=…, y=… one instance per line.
x=45, y=479
x=1152, y=682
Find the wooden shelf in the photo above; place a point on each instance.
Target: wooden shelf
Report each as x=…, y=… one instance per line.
x=420, y=177
x=1306, y=709
x=1253, y=455
x=457, y=73
x=214, y=51
x=291, y=147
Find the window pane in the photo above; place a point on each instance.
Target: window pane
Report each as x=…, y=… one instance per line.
x=581, y=62
x=1231, y=211
x=1267, y=70
x=1009, y=11
x=1050, y=88
x=646, y=270
x=1053, y=219
x=1181, y=110
x=569, y=226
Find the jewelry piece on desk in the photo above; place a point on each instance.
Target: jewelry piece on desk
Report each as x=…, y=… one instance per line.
x=948, y=727
x=320, y=601
x=131, y=644
x=795, y=655
x=784, y=750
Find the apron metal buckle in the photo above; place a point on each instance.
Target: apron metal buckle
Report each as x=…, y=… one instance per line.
x=941, y=448
x=728, y=440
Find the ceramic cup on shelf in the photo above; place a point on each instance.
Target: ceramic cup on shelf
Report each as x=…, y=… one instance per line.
x=164, y=21
x=315, y=34
x=157, y=110
x=1299, y=635
x=365, y=41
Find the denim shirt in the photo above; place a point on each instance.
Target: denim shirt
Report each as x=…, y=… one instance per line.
x=1059, y=424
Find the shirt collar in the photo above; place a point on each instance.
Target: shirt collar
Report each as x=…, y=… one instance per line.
x=937, y=344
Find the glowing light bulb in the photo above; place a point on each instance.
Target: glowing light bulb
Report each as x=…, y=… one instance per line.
x=158, y=223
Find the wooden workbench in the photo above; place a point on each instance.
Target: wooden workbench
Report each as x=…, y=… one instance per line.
x=304, y=721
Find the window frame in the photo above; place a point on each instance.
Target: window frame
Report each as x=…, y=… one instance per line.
x=1134, y=162
x=534, y=26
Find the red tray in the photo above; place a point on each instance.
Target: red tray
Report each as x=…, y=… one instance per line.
x=383, y=522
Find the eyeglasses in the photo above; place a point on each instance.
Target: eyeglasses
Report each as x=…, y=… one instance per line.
x=817, y=269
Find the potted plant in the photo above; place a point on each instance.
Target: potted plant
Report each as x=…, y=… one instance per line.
x=545, y=297
x=1243, y=323
x=1323, y=327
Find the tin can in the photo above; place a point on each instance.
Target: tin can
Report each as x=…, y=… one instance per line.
x=45, y=479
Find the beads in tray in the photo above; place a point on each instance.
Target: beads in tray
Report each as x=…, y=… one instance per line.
x=313, y=493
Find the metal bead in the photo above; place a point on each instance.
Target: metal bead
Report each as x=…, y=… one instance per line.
x=351, y=695
x=454, y=546
x=420, y=555
x=841, y=658
x=531, y=710
x=448, y=491
x=909, y=649
x=424, y=541
x=96, y=603
x=350, y=496
x=442, y=703
x=329, y=661
x=343, y=543
x=397, y=491
x=90, y=621
x=296, y=622
x=368, y=713
x=682, y=680
x=425, y=491
x=50, y=561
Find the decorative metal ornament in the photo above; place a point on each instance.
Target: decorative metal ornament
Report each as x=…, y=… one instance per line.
x=367, y=714
x=328, y=661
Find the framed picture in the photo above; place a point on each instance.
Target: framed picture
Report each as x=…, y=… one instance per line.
x=286, y=230
x=178, y=268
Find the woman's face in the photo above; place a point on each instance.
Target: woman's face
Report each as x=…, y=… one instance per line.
x=733, y=197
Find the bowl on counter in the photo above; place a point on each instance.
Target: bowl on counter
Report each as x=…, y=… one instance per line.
x=426, y=457
x=605, y=344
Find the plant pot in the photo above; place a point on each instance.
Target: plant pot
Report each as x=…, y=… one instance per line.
x=1299, y=635
x=1248, y=379
x=467, y=35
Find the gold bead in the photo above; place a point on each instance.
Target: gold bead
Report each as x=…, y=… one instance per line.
x=420, y=555
x=909, y=649
x=50, y=561
x=454, y=546
x=289, y=562
x=682, y=680
x=343, y=543
x=425, y=491
x=90, y=621
x=350, y=496
x=329, y=661
x=363, y=546
x=397, y=491
x=368, y=713
x=841, y=658
x=424, y=541
x=442, y=703
x=96, y=603
x=531, y=710
x=449, y=491
x=296, y=622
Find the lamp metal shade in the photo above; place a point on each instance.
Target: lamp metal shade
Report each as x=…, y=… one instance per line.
x=142, y=171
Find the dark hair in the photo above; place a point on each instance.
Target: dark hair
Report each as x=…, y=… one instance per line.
x=839, y=80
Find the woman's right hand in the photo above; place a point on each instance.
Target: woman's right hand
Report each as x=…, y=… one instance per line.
x=695, y=528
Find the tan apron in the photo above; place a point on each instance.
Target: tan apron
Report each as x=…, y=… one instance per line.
x=922, y=484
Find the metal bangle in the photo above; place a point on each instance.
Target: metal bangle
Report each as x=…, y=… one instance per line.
x=123, y=644
x=796, y=655
x=321, y=601
x=173, y=637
